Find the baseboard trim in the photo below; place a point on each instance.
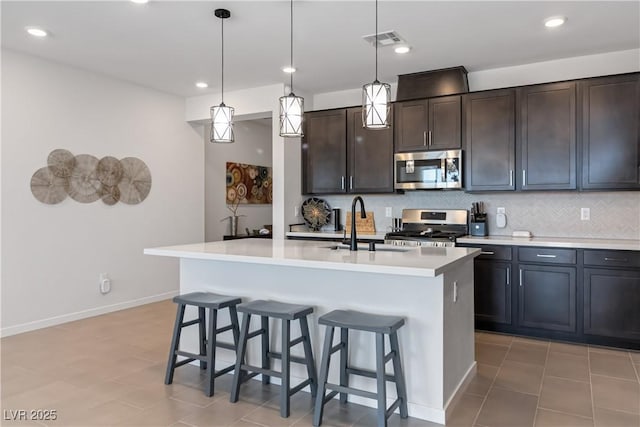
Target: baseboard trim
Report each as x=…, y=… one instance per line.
x=58, y=320
x=459, y=391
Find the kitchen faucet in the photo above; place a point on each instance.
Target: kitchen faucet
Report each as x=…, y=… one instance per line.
x=353, y=246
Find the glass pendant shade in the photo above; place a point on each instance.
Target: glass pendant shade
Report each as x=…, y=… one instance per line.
x=222, y=123
x=291, y=111
x=376, y=105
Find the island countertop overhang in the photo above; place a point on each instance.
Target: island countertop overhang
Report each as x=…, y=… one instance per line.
x=419, y=261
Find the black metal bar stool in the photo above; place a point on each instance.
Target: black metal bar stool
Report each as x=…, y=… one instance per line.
x=381, y=326
x=287, y=313
x=207, y=336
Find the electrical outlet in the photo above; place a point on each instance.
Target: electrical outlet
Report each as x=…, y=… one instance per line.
x=105, y=283
x=388, y=212
x=501, y=211
x=296, y=211
x=585, y=214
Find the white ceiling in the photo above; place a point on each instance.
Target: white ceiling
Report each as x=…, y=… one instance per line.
x=169, y=45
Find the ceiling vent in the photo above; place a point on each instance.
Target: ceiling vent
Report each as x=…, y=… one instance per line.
x=385, y=38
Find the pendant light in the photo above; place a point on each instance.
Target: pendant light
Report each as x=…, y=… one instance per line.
x=291, y=106
x=376, y=98
x=222, y=115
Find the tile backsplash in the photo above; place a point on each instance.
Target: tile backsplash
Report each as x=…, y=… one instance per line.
x=614, y=215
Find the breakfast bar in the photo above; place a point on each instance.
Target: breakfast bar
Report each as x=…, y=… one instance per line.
x=432, y=288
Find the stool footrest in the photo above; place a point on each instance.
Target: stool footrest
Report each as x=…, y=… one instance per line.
x=329, y=396
x=190, y=322
x=191, y=355
x=224, y=371
x=296, y=359
x=368, y=374
x=296, y=341
x=263, y=371
x=184, y=362
x=224, y=329
x=393, y=407
x=300, y=386
x=255, y=333
x=350, y=390
x=389, y=356
x=226, y=345
x=336, y=348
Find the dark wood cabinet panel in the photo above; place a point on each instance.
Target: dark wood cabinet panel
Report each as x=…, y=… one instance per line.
x=492, y=291
x=548, y=136
x=428, y=124
x=547, y=255
x=445, y=123
x=547, y=297
x=611, y=303
x=609, y=258
x=324, y=152
x=411, y=118
x=370, y=156
x=490, y=140
x=611, y=132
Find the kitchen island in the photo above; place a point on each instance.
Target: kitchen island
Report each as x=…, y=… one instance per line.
x=431, y=287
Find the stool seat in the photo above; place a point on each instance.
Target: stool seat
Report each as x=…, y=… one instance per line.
x=207, y=300
x=357, y=320
x=279, y=310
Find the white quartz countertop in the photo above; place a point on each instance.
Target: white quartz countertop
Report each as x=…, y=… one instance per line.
x=419, y=261
x=554, y=242
x=333, y=235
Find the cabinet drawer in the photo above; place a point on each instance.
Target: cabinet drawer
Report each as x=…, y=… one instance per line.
x=502, y=253
x=547, y=255
x=608, y=258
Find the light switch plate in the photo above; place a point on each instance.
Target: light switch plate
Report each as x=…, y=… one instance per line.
x=585, y=214
x=501, y=211
x=388, y=212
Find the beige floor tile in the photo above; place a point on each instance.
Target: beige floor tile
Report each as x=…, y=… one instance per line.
x=635, y=356
x=618, y=366
x=337, y=414
x=522, y=377
x=466, y=411
x=164, y=413
x=525, y=352
x=243, y=423
x=532, y=341
x=565, y=365
x=616, y=394
x=481, y=382
x=546, y=418
x=394, y=420
x=493, y=338
x=609, y=418
x=490, y=354
x=562, y=395
x=575, y=349
x=508, y=409
x=219, y=413
x=608, y=350
x=269, y=414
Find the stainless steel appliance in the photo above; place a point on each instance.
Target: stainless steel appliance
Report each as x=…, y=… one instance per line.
x=428, y=170
x=427, y=227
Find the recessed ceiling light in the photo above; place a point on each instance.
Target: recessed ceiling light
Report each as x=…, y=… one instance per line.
x=37, y=32
x=554, y=21
x=202, y=85
x=402, y=49
x=289, y=70
x=140, y=1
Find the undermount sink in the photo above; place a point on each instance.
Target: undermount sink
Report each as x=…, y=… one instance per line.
x=365, y=248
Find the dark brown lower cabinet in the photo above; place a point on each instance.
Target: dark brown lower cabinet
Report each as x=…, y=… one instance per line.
x=612, y=303
x=547, y=297
x=492, y=292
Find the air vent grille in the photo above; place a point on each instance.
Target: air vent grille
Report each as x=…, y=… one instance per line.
x=385, y=38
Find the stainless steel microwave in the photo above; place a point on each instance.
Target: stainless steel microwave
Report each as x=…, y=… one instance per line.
x=428, y=170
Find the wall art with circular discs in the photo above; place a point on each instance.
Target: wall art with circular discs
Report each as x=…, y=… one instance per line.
x=86, y=178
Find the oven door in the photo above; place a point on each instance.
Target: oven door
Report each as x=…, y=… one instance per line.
x=428, y=170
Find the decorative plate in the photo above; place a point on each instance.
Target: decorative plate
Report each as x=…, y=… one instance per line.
x=316, y=213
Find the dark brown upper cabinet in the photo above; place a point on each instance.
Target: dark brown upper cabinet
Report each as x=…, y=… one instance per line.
x=611, y=132
x=340, y=156
x=428, y=124
x=547, y=137
x=490, y=132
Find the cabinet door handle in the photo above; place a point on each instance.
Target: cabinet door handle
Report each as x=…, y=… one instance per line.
x=430, y=138
x=546, y=256
x=342, y=182
x=486, y=253
x=424, y=138
x=511, y=178
x=616, y=259
x=351, y=182
x=508, y=276
x=524, y=177
x=520, y=277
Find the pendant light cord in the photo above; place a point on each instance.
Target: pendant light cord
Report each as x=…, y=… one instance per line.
x=376, y=40
x=291, y=13
x=222, y=66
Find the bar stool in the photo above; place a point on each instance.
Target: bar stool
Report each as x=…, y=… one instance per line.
x=287, y=313
x=381, y=326
x=207, y=336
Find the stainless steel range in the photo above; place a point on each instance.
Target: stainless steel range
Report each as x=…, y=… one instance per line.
x=424, y=227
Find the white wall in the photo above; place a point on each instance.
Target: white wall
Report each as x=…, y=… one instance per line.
x=252, y=146
x=52, y=254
